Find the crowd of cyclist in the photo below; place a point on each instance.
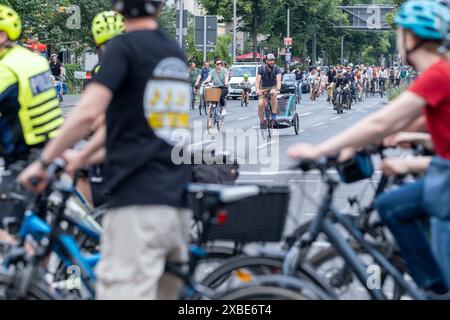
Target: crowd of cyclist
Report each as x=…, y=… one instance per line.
x=148, y=221
x=358, y=80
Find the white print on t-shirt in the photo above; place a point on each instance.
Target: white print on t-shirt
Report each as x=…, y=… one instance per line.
x=167, y=99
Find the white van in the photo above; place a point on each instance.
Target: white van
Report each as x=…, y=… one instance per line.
x=237, y=76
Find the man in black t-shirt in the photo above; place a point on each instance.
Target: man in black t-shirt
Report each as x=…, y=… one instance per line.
x=268, y=80
x=146, y=100
x=56, y=67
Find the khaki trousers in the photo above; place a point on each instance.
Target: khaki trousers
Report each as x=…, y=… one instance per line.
x=136, y=243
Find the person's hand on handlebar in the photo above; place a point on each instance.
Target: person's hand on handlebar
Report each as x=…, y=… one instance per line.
x=395, y=166
x=304, y=151
x=407, y=139
x=34, y=178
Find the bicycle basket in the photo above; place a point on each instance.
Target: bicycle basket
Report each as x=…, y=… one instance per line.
x=257, y=219
x=212, y=94
x=358, y=168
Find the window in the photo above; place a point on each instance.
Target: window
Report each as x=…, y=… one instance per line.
x=239, y=71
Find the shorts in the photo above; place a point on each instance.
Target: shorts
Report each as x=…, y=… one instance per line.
x=267, y=90
x=136, y=244
x=245, y=90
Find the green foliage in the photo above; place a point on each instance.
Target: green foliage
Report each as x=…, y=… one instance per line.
x=394, y=92
x=73, y=84
x=167, y=20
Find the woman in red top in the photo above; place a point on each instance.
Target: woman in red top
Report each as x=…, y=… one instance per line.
x=420, y=39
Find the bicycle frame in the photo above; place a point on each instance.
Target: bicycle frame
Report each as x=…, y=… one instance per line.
x=324, y=223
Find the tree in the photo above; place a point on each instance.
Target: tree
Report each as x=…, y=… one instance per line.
x=255, y=15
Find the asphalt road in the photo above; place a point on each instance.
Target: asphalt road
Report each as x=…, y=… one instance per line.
x=265, y=161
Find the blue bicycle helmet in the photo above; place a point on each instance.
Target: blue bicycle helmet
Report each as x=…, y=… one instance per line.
x=427, y=19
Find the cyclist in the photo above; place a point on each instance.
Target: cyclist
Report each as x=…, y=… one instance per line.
x=193, y=75
x=202, y=76
x=340, y=81
x=219, y=78
x=29, y=111
x=246, y=86
x=298, y=79
x=314, y=80
x=420, y=32
x=350, y=76
x=105, y=26
x=383, y=76
x=268, y=80
x=147, y=223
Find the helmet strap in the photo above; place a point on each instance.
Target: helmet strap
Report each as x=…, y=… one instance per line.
x=413, y=49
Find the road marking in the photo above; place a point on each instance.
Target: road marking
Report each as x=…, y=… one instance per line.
x=288, y=172
x=265, y=145
x=199, y=143
x=318, y=124
x=335, y=118
x=255, y=181
x=305, y=114
x=244, y=118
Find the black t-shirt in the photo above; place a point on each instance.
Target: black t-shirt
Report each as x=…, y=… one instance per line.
x=340, y=81
x=56, y=69
x=298, y=75
x=148, y=75
x=268, y=77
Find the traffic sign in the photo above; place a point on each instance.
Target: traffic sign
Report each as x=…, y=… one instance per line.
x=79, y=75
x=211, y=33
x=288, y=57
x=288, y=42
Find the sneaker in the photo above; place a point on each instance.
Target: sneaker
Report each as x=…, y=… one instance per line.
x=263, y=125
x=224, y=112
x=274, y=116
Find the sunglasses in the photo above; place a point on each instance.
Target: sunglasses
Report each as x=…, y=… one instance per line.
x=219, y=63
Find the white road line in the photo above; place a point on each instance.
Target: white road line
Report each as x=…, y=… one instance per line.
x=244, y=118
x=335, y=118
x=305, y=114
x=265, y=145
x=287, y=172
x=318, y=124
x=199, y=143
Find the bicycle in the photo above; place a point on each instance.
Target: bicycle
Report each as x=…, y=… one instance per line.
x=382, y=87
x=298, y=91
x=214, y=111
x=325, y=223
x=193, y=97
x=245, y=96
x=202, y=104
x=24, y=275
x=338, y=100
x=269, y=122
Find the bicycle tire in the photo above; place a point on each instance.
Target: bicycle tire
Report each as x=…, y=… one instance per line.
x=262, y=265
x=262, y=293
x=330, y=253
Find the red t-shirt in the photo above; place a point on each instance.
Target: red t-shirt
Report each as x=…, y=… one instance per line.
x=434, y=86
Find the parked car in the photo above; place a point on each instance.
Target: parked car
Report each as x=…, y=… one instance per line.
x=288, y=83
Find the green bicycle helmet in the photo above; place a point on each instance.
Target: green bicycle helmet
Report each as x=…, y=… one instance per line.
x=106, y=25
x=428, y=20
x=10, y=22
x=245, y=76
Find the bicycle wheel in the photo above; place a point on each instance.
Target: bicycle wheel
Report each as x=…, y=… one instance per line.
x=210, y=117
x=262, y=293
x=269, y=123
x=296, y=124
x=241, y=270
x=338, y=274
x=220, y=121
x=38, y=290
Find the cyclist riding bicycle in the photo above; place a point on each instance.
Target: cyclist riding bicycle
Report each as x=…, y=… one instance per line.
x=147, y=223
x=219, y=78
x=29, y=111
x=268, y=80
x=202, y=76
x=340, y=81
x=421, y=30
x=246, y=86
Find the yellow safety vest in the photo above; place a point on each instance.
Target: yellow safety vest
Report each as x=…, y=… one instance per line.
x=40, y=115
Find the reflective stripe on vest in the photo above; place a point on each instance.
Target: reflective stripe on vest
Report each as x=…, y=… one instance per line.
x=40, y=115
